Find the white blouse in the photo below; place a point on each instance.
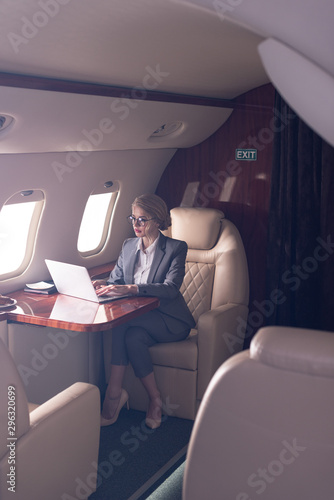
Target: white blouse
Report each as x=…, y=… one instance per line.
x=144, y=261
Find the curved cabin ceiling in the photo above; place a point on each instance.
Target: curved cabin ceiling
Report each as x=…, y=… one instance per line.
x=140, y=45
x=57, y=121
x=114, y=41
x=297, y=52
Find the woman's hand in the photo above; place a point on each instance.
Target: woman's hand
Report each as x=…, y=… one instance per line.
x=116, y=290
x=98, y=283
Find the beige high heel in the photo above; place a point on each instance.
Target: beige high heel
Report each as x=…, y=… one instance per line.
x=123, y=399
x=155, y=421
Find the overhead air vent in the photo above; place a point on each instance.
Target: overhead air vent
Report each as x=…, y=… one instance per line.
x=5, y=121
x=170, y=129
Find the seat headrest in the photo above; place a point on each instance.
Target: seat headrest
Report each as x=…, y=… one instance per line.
x=198, y=227
x=295, y=349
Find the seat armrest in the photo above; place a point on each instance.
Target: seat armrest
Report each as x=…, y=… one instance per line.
x=62, y=444
x=220, y=335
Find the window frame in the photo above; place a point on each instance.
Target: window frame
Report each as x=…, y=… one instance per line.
x=114, y=190
x=27, y=196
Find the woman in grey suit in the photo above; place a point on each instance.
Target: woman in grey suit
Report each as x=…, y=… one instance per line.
x=150, y=264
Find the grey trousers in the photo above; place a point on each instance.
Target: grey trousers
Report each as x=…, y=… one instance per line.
x=131, y=341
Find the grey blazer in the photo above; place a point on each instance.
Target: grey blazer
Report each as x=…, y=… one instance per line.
x=164, y=279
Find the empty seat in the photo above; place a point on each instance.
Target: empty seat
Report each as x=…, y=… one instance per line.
x=49, y=453
x=265, y=426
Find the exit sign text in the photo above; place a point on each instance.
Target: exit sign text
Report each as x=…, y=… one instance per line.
x=246, y=154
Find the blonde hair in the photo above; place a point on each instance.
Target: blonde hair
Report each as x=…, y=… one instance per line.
x=155, y=207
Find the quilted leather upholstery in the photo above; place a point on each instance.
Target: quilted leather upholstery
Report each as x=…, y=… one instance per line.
x=197, y=287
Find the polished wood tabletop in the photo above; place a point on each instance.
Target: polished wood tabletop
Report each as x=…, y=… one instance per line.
x=69, y=313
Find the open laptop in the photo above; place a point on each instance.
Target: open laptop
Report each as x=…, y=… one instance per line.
x=75, y=281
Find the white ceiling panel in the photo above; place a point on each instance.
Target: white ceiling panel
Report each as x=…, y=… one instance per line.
x=297, y=52
x=46, y=121
x=115, y=42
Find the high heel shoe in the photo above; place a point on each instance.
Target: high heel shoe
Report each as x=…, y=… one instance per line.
x=154, y=421
x=123, y=399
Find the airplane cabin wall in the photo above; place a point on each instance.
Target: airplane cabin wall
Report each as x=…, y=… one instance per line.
x=136, y=171
x=68, y=144
x=208, y=175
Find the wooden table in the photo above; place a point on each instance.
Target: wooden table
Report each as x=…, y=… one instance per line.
x=71, y=356
x=69, y=313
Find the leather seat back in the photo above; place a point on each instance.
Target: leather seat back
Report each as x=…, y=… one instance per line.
x=216, y=267
x=265, y=424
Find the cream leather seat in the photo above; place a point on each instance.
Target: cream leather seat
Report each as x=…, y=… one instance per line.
x=49, y=454
x=216, y=290
x=265, y=427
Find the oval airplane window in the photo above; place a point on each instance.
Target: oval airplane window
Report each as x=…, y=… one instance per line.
x=95, y=222
x=19, y=219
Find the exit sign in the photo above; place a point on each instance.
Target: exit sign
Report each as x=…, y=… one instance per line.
x=246, y=154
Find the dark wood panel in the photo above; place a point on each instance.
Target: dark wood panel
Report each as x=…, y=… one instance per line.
x=241, y=189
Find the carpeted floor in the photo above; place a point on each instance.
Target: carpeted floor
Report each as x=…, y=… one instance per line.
x=134, y=458
x=169, y=486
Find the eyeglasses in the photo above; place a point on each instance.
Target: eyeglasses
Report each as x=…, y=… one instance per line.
x=141, y=221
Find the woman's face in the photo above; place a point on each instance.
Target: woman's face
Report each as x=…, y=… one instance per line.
x=150, y=229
